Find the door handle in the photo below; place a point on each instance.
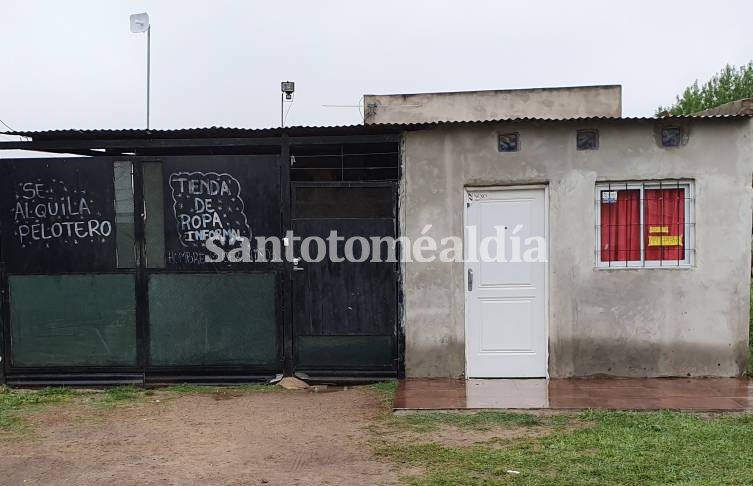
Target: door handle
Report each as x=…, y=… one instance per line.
x=470, y=279
x=296, y=268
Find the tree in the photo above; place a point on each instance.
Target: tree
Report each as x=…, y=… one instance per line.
x=727, y=85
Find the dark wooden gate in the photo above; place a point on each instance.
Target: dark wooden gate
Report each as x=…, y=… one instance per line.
x=345, y=312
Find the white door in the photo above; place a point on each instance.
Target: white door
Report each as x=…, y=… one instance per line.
x=505, y=301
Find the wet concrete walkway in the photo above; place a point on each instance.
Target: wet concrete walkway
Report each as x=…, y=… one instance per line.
x=699, y=394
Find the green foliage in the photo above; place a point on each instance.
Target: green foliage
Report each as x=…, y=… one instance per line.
x=653, y=448
x=729, y=84
x=484, y=420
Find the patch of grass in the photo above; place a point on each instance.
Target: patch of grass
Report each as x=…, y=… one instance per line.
x=11, y=423
x=484, y=420
x=187, y=388
x=384, y=386
x=651, y=448
x=386, y=390
x=14, y=402
x=254, y=387
x=117, y=396
x=121, y=393
x=11, y=400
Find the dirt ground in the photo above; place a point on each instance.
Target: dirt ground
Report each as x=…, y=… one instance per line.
x=275, y=438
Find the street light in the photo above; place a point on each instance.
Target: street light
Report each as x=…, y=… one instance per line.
x=139, y=25
x=287, y=89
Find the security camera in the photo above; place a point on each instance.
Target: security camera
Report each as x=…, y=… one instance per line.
x=288, y=87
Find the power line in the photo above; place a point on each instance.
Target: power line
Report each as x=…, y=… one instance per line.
x=12, y=130
x=6, y=125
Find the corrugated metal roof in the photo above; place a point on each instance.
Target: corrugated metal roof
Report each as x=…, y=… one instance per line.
x=305, y=130
x=208, y=132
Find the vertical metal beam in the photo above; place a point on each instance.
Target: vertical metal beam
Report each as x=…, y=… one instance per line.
x=286, y=200
x=5, y=318
x=142, y=311
x=400, y=317
x=148, y=71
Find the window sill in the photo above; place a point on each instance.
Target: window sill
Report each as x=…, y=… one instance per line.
x=686, y=266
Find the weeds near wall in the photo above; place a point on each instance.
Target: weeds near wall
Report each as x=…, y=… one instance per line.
x=16, y=404
x=12, y=403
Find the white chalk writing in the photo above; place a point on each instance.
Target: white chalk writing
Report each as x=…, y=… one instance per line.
x=50, y=210
x=207, y=205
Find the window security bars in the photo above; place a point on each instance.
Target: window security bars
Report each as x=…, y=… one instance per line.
x=645, y=224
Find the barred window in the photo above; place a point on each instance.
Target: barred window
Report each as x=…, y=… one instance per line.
x=645, y=224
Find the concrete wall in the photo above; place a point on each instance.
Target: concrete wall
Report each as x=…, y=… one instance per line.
x=494, y=105
x=637, y=322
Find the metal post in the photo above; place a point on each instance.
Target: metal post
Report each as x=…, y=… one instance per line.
x=282, y=109
x=288, y=366
x=148, y=70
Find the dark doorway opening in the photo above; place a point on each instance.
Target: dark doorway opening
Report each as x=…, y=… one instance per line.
x=345, y=312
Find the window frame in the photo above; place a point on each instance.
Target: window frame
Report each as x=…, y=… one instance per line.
x=585, y=131
x=688, y=234
x=680, y=136
x=509, y=134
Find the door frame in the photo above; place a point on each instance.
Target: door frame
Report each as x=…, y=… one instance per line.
x=398, y=333
x=466, y=320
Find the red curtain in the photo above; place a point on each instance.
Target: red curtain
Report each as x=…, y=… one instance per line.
x=620, y=225
x=664, y=220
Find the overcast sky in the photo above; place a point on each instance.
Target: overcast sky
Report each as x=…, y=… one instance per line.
x=74, y=64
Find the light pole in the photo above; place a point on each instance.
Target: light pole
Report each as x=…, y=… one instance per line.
x=140, y=24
